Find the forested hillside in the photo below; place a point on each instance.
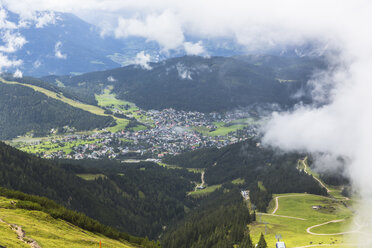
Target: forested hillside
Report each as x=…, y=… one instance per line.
x=138, y=199
x=23, y=110
x=220, y=221
x=206, y=84
x=52, y=224
x=249, y=161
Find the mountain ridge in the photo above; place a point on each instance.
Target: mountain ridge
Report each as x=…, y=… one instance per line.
x=206, y=84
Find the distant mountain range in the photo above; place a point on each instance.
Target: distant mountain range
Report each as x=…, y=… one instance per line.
x=70, y=46
x=206, y=84
x=188, y=83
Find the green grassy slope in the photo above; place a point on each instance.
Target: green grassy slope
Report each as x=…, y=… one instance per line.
x=294, y=231
x=45, y=230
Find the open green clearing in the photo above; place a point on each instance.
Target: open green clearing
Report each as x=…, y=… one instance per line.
x=238, y=181
x=195, y=170
x=261, y=186
x=90, y=177
x=293, y=230
x=209, y=189
x=46, y=231
x=203, y=192
x=109, y=100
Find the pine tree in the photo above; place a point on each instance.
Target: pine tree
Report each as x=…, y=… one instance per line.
x=262, y=242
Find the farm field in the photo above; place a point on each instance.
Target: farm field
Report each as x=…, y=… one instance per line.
x=46, y=231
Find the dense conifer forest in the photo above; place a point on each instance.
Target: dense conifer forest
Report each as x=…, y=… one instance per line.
x=220, y=221
x=138, y=199
x=194, y=83
x=250, y=161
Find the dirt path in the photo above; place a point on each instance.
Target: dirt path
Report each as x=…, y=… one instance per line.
x=283, y=216
x=199, y=185
x=22, y=235
x=327, y=234
x=276, y=205
x=319, y=181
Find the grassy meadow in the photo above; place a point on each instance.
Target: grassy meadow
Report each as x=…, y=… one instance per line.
x=47, y=231
x=293, y=230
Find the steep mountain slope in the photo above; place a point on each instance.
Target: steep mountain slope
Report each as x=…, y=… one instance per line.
x=138, y=199
x=259, y=168
x=207, y=84
x=22, y=227
x=23, y=110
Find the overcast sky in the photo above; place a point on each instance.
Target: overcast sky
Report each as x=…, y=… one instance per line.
x=251, y=23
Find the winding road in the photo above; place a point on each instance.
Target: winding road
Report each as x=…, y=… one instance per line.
x=283, y=216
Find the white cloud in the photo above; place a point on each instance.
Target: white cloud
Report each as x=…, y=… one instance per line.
x=143, y=60
x=183, y=71
x=4, y=23
x=5, y=62
x=57, y=51
x=194, y=48
x=13, y=42
x=18, y=74
x=163, y=28
x=45, y=18
x=111, y=79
